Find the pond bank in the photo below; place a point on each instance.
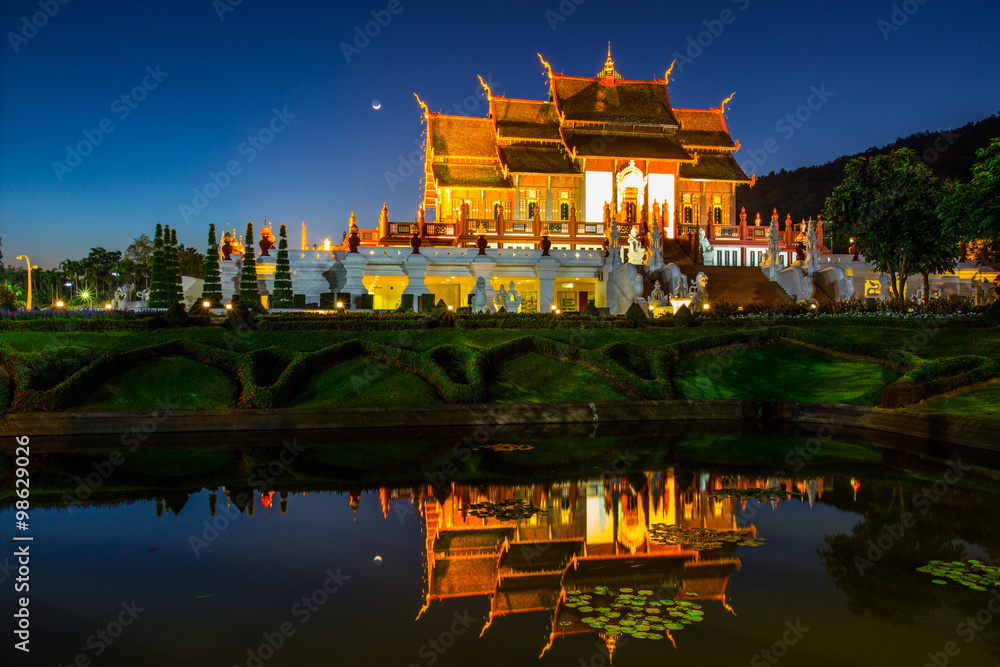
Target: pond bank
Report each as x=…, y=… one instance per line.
x=353, y=422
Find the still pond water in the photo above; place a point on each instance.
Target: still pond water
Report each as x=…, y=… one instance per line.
x=406, y=554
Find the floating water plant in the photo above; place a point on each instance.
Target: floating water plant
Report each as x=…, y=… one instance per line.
x=972, y=574
x=505, y=510
x=701, y=539
x=637, y=614
x=760, y=495
x=507, y=448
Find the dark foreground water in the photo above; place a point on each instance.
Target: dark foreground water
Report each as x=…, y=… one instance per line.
x=224, y=557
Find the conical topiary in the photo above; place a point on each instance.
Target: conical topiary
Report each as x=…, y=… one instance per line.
x=212, y=291
x=159, y=297
x=175, y=266
x=248, y=276
x=282, y=297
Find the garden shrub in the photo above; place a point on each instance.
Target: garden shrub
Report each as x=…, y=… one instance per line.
x=683, y=317
x=635, y=316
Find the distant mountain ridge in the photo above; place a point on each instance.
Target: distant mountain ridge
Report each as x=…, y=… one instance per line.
x=803, y=191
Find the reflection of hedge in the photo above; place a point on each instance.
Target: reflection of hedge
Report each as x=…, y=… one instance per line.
x=267, y=378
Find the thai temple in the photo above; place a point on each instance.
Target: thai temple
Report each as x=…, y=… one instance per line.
x=601, y=194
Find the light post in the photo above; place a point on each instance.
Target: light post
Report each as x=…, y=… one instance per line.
x=30, y=267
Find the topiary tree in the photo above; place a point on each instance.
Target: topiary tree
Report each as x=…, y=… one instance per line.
x=635, y=316
x=248, y=276
x=175, y=267
x=159, y=296
x=282, y=297
x=212, y=291
x=683, y=317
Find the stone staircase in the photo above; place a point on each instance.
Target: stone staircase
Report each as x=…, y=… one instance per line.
x=674, y=253
x=738, y=284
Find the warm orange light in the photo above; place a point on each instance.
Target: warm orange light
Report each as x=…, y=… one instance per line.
x=108, y=306
x=340, y=304
x=59, y=304
x=206, y=304
x=229, y=306
x=450, y=307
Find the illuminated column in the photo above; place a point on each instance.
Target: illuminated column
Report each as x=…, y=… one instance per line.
x=661, y=189
x=545, y=269
x=597, y=186
x=305, y=238
x=416, y=266
x=548, y=198
x=516, y=213
x=354, y=264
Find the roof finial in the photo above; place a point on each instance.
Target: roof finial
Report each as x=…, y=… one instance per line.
x=489, y=93
x=548, y=68
x=427, y=112
x=609, y=68
x=726, y=101
x=670, y=70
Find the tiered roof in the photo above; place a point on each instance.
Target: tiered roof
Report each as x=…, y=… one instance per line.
x=605, y=116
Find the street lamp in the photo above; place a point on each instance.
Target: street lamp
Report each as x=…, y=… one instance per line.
x=30, y=267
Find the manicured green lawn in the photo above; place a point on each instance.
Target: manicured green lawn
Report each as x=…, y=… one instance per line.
x=983, y=403
x=361, y=381
x=928, y=344
x=533, y=378
x=781, y=372
x=186, y=384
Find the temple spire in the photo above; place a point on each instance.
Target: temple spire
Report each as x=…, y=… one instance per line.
x=609, y=71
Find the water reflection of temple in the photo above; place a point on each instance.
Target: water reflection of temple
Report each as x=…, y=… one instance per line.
x=596, y=533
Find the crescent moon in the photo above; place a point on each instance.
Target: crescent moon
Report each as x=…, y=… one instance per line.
x=376, y=105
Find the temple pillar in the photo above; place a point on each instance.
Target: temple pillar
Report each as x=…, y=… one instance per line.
x=516, y=213
x=545, y=269
x=354, y=264
x=230, y=276
x=416, y=267
x=548, y=199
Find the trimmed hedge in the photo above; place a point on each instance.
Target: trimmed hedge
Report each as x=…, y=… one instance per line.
x=267, y=378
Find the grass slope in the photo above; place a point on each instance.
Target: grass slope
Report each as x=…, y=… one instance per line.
x=533, y=378
x=186, y=384
x=982, y=403
x=362, y=381
x=781, y=372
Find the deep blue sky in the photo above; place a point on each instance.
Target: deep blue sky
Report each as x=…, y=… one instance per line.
x=225, y=78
